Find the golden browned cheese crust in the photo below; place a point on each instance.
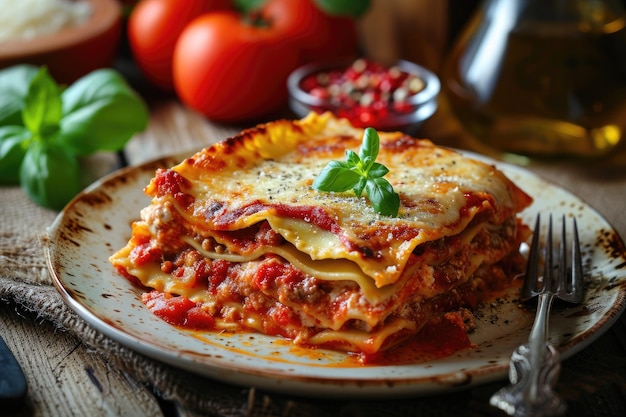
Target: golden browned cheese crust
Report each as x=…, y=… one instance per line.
x=333, y=270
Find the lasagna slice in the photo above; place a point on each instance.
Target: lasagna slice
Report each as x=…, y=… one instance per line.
x=236, y=238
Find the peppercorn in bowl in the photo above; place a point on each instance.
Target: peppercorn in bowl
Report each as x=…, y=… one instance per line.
x=367, y=93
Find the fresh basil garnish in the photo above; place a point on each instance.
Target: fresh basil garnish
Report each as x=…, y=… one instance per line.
x=362, y=173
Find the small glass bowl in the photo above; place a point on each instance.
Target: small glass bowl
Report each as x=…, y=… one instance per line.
x=405, y=113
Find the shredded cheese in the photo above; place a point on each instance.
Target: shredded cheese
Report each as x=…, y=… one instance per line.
x=27, y=19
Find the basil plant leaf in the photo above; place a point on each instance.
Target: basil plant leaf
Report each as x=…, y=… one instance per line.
x=50, y=175
x=378, y=170
x=14, y=84
x=370, y=146
x=13, y=145
x=42, y=105
x=336, y=176
x=101, y=112
x=360, y=186
x=362, y=173
x=352, y=158
x=384, y=200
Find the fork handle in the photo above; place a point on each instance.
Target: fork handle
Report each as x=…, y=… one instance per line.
x=544, y=362
x=533, y=371
x=539, y=347
x=516, y=398
x=539, y=332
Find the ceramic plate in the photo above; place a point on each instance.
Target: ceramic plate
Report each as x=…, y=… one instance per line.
x=97, y=223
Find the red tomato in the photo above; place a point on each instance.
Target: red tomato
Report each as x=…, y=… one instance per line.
x=231, y=71
x=154, y=27
x=234, y=68
x=319, y=35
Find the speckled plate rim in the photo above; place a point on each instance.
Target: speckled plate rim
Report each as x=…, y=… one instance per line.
x=97, y=222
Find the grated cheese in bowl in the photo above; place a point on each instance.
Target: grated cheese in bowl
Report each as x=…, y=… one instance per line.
x=27, y=19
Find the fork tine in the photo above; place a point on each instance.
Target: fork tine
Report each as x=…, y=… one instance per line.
x=570, y=277
x=577, y=265
x=575, y=294
x=548, y=266
x=529, y=289
x=562, y=286
x=563, y=279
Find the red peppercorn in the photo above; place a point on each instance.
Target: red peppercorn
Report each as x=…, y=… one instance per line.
x=365, y=92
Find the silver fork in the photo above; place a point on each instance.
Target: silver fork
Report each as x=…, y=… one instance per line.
x=534, y=366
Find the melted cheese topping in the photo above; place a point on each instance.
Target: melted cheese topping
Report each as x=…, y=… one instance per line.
x=322, y=268
x=253, y=177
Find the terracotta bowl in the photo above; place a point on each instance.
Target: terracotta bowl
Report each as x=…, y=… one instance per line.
x=71, y=52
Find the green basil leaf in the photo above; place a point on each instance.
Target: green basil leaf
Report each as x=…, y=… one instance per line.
x=14, y=83
x=377, y=170
x=369, y=147
x=366, y=164
x=101, y=112
x=352, y=158
x=362, y=173
x=354, y=8
x=13, y=145
x=50, y=175
x=42, y=105
x=384, y=200
x=336, y=176
x=360, y=186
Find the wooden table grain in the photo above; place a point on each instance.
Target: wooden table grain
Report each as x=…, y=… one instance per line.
x=66, y=379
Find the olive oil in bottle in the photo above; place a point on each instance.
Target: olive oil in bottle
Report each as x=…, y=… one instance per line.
x=542, y=78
